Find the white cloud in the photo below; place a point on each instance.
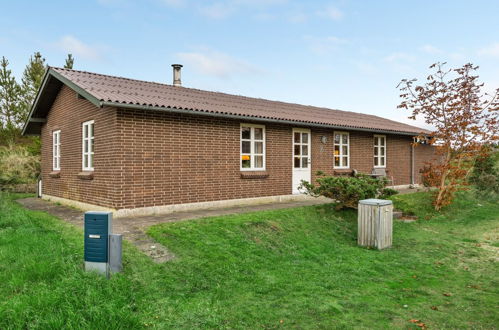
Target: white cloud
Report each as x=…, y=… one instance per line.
x=173, y=3
x=457, y=56
x=217, y=64
x=491, y=50
x=109, y=2
x=217, y=10
x=366, y=67
x=297, y=17
x=399, y=57
x=224, y=9
x=332, y=13
x=400, y=62
x=71, y=44
x=324, y=45
x=429, y=49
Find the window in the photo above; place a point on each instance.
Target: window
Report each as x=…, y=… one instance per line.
x=252, y=147
x=301, y=142
x=88, y=146
x=341, y=150
x=56, y=150
x=379, y=151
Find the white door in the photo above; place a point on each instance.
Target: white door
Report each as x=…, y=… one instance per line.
x=301, y=157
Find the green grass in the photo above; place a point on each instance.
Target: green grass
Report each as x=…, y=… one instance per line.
x=286, y=268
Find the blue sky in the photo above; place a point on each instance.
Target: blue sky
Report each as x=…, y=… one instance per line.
x=347, y=55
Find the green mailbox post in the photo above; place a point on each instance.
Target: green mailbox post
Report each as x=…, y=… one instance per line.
x=102, y=248
x=98, y=226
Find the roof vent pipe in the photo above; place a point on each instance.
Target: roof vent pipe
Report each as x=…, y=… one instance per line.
x=176, y=74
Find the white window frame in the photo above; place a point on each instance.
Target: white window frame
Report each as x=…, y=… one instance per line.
x=56, y=150
x=379, y=156
x=90, y=152
x=252, y=153
x=341, y=155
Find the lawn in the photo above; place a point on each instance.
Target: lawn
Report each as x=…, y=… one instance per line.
x=296, y=268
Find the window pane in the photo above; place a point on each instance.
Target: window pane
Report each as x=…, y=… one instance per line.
x=297, y=162
x=336, y=161
x=382, y=140
x=375, y=151
x=91, y=130
x=297, y=150
x=245, y=147
x=92, y=145
x=258, y=133
x=85, y=146
x=91, y=157
x=304, y=162
x=259, y=147
x=344, y=149
x=304, y=150
x=375, y=140
x=382, y=150
x=337, y=138
x=297, y=137
x=382, y=161
x=245, y=133
x=304, y=137
x=376, y=161
x=85, y=161
x=345, y=161
x=336, y=150
x=345, y=138
x=246, y=162
x=258, y=161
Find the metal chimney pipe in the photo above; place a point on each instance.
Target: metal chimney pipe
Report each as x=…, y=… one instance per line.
x=176, y=74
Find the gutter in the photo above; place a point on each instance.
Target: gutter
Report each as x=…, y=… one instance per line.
x=239, y=117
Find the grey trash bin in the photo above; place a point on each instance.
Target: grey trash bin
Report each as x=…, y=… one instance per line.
x=375, y=223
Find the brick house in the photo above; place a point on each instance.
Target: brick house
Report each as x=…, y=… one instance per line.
x=141, y=147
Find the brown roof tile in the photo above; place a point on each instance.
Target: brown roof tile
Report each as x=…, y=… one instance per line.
x=142, y=93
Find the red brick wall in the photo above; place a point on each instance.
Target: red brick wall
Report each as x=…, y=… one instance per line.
x=67, y=114
x=423, y=153
x=172, y=158
x=398, y=154
x=153, y=158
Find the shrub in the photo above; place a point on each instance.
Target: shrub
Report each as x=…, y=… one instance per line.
x=387, y=192
x=485, y=175
x=430, y=175
x=347, y=191
x=18, y=165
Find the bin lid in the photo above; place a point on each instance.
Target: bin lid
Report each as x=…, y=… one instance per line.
x=375, y=201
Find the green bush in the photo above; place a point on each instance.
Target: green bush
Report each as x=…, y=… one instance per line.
x=347, y=191
x=387, y=192
x=18, y=165
x=485, y=174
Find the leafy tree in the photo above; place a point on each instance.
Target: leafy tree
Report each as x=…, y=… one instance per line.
x=69, y=62
x=11, y=116
x=464, y=119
